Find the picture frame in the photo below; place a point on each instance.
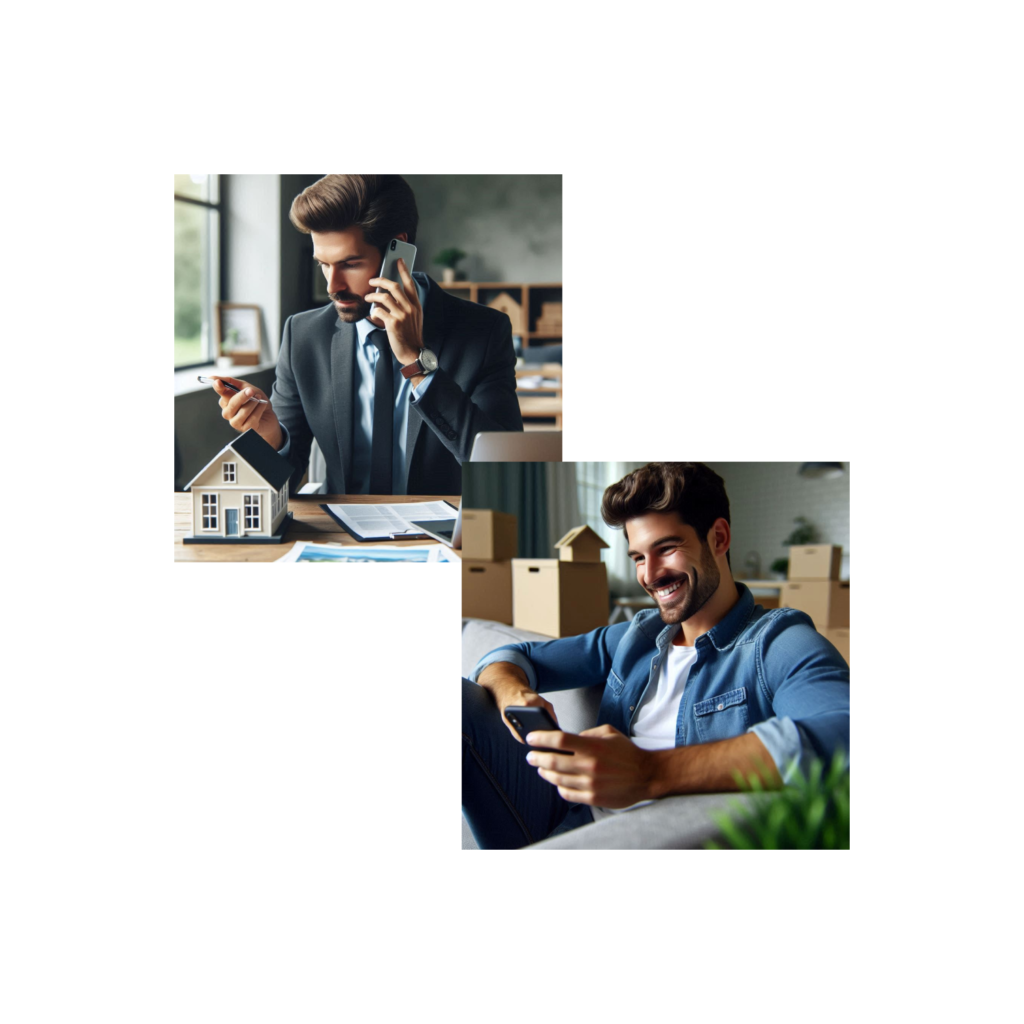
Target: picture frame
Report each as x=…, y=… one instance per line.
x=238, y=333
x=318, y=290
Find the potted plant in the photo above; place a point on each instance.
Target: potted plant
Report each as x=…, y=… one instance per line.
x=449, y=259
x=804, y=533
x=811, y=813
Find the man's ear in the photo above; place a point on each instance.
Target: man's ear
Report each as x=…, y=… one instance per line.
x=403, y=237
x=719, y=537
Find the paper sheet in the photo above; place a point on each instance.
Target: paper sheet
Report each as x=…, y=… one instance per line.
x=379, y=522
x=307, y=551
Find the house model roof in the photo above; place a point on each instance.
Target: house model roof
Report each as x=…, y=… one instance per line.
x=580, y=533
x=274, y=468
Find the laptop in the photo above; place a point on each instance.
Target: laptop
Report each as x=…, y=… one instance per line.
x=517, y=446
x=447, y=531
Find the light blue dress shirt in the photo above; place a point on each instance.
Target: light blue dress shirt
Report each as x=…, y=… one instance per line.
x=358, y=482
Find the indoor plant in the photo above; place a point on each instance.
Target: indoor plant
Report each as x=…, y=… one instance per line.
x=449, y=259
x=811, y=813
x=804, y=533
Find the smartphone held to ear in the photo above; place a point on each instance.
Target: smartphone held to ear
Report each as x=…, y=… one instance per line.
x=397, y=250
x=526, y=720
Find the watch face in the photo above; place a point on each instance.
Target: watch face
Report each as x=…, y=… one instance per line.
x=428, y=360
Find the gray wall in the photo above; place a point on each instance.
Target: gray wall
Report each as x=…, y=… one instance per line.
x=509, y=224
x=764, y=499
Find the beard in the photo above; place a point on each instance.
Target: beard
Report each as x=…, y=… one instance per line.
x=699, y=586
x=355, y=313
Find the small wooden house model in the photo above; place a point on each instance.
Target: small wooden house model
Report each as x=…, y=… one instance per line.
x=241, y=495
x=580, y=545
x=511, y=309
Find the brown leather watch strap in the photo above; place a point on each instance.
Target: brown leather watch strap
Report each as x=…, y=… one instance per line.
x=412, y=369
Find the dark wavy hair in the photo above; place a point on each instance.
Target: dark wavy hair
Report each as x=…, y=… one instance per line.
x=690, y=489
x=381, y=204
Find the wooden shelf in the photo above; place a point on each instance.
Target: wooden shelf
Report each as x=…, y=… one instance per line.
x=527, y=294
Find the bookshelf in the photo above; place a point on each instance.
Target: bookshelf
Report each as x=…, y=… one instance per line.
x=530, y=297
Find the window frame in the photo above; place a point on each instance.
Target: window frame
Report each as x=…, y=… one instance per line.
x=215, y=252
x=252, y=512
x=210, y=509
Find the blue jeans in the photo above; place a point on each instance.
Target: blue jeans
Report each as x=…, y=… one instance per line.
x=507, y=804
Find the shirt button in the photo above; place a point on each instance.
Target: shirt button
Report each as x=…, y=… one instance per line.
x=720, y=706
x=630, y=707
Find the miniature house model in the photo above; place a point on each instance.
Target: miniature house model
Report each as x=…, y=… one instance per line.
x=580, y=545
x=507, y=305
x=562, y=596
x=241, y=495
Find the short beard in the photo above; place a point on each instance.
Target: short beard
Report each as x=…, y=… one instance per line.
x=700, y=589
x=353, y=316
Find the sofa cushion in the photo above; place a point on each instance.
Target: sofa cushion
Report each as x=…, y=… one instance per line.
x=480, y=637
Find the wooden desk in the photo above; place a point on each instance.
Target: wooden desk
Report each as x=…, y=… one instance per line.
x=310, y=523
x=541, y=407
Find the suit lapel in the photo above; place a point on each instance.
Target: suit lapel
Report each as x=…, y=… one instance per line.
x=343, y=358
x=433, y=338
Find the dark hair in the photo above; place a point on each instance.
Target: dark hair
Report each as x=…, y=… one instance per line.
x=690, y=489
x=381, y=204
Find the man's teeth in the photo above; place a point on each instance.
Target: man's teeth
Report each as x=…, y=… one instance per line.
x=669, y=590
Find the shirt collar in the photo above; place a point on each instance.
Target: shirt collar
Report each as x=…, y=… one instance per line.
x=722, y=634
x=364, y=327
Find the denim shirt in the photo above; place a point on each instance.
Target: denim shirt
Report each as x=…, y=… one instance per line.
x=767, y=672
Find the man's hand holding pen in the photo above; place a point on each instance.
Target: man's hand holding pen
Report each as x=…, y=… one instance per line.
x=243, y=413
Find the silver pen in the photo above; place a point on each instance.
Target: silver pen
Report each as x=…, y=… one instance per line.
x=230, y=387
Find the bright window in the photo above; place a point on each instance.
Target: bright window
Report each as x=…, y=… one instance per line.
x=196, y=266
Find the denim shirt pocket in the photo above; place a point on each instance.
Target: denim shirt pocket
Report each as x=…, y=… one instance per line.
x=615, y=684
x=722, y=717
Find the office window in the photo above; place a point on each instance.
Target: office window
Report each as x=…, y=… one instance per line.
x=252, y=511
x=209, y=511
x=229, y=472
x=197, y=213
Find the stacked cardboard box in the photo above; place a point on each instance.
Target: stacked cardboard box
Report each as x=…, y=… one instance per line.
x=562, y=596
x=489, y=542
x=813, y=585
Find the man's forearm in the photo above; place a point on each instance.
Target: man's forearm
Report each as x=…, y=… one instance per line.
x=501, y=674
x=708, y=767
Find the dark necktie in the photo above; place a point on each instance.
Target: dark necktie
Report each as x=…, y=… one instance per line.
x=383, y=416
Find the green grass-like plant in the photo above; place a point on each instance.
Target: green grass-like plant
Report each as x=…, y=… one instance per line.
x=811, y=813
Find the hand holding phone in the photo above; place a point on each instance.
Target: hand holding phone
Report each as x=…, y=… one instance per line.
x=397, y=250
x=533, y=719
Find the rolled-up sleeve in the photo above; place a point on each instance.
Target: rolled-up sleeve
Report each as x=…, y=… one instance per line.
x=808, y=683
x=565, y=664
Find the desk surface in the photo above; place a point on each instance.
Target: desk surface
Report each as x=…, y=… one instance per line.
x=310, y=523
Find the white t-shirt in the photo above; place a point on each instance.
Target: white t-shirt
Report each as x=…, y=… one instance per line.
x=654, y=725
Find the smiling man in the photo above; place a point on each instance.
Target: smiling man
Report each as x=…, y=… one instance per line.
x=394, y=400
x=706, y=684
x=688, y=576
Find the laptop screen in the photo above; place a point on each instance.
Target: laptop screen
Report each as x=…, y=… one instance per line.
x=443, y=529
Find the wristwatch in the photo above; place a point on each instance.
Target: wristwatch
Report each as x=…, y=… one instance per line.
x=427, y=363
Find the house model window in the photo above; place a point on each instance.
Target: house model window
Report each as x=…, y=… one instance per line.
x=209, y=511
x=229, y=472
x=252, y=511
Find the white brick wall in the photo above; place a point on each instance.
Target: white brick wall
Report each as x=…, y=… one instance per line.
x=765, y=498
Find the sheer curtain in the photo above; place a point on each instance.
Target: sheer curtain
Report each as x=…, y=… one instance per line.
x=592, y=478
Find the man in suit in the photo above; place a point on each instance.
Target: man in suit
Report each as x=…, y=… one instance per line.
x=393, y=400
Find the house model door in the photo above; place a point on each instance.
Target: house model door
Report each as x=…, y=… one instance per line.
x=231, y=522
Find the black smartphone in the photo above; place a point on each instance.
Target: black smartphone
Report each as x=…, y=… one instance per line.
x=527, y=720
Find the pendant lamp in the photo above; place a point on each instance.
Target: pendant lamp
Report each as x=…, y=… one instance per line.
x=821, y=470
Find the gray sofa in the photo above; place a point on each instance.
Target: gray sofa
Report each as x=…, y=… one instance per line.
x=674, y=823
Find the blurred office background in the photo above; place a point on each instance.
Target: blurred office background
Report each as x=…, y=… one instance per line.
x=766, y=499
x=235, y=244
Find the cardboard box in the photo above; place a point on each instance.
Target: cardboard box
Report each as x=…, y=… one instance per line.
x=558, y=598
x=826, y=601
x=840, y=639
x=489, y=536
x=487, y=591
x=815, y=562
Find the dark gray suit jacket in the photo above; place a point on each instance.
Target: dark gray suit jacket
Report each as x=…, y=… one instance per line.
x=474, y=389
